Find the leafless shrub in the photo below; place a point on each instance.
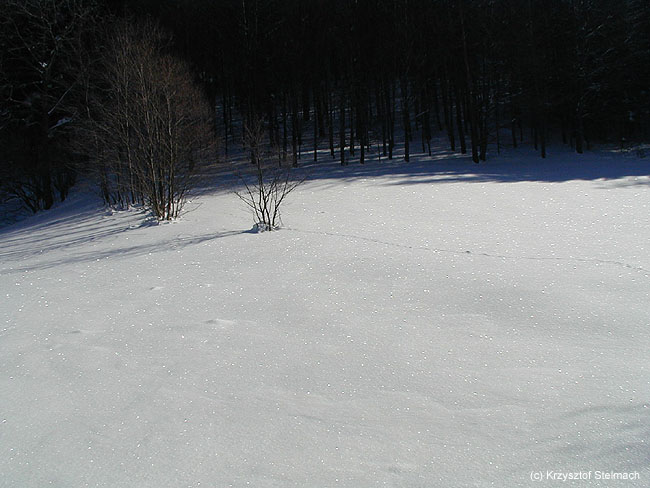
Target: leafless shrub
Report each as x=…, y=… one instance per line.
x=266, y=185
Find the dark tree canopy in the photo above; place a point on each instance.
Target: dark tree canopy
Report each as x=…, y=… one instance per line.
x=348, y=75
x=575, y=69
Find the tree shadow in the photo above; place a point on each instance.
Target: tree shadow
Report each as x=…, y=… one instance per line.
x=512, y=166
x=444, y=166
x=72, y=223
x=77, y=256
x=65, y=235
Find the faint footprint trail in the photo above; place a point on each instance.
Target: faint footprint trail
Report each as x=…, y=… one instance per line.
x=471, y=253
x=222, y=324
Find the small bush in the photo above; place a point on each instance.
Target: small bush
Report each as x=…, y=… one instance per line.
x=267, y=184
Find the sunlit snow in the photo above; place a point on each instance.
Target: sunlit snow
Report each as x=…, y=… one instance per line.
x=432, y=324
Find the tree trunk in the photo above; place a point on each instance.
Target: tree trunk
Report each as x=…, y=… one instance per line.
x=342, y=128
x=294, y=134
x=284, y=128
x=406, y=118
x=459, y=122
x=330, y=123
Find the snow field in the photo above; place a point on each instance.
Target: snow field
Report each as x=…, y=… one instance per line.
x=437, y=324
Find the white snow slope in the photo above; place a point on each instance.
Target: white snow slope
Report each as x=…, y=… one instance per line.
x=432, y=324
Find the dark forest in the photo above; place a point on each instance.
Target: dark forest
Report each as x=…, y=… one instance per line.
x=343, y=75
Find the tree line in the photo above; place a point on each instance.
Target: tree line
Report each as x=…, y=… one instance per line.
x=576, y=70
x=348, y=75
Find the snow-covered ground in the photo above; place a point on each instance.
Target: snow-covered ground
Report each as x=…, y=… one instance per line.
x=432, y=324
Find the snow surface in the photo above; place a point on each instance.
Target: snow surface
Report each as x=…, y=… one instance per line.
x=431, y=324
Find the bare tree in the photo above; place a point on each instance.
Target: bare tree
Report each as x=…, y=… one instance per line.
x=40, y=42
x=150, y=125
x=267, y=184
